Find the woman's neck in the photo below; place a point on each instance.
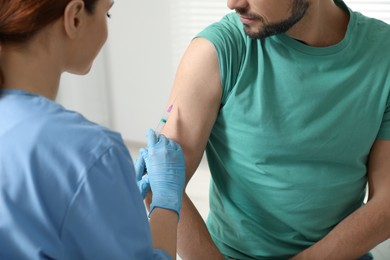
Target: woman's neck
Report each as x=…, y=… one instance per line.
x=34, y=67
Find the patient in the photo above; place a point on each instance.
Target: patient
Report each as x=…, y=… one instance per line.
x=290, y=99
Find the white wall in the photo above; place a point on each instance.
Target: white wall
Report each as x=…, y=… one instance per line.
x=88, y=94
x=139, y=65
x=129, y=82
x=146, y=42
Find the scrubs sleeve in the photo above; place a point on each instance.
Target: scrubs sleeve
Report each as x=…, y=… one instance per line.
x=106, y=218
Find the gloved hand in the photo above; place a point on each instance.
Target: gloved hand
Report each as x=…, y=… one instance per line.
x=140, y=173
x=165, y=168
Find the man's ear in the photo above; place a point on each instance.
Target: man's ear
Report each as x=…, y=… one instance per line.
x=73, y=17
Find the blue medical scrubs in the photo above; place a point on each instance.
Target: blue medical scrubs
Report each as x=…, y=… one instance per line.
x=67, y=186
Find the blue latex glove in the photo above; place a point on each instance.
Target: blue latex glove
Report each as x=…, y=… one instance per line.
x=140, y=173
x=165, y=166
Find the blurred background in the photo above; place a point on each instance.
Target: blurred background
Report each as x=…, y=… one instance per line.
x=129, y=84
x=128, y=87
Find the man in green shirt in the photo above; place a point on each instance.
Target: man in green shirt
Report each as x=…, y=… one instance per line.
x=290, y=99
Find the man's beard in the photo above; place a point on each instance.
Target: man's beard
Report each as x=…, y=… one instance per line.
x=299, y=9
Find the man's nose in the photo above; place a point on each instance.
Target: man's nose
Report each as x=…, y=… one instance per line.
x=237, y=4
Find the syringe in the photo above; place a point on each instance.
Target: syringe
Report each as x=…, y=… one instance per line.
x=163, y=120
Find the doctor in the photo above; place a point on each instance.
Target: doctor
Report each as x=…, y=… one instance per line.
x=68, y=188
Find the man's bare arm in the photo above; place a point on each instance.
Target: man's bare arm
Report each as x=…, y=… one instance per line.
x=197, y=96
x=366, y=227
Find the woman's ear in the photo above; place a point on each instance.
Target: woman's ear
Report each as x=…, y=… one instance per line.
x=73, y=17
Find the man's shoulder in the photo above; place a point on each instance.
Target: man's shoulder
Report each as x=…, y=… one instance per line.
x=373, y=26
x=230, y=23
x=62, y=134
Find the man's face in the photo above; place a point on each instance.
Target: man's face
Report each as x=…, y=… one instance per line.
x=263, y=18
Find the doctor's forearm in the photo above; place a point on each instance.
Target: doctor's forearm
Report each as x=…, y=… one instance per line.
x=163, y=227
x=194, y=241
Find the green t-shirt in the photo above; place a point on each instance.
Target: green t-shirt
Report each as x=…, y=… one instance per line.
x=289, y=148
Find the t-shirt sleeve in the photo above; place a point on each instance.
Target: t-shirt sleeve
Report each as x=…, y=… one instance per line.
x=384, y=130
x=229, y=43
x=106, y=218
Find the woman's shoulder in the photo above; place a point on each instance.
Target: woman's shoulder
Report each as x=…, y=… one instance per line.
x=72, y=130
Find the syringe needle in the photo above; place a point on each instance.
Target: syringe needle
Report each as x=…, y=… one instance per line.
x=163, y=120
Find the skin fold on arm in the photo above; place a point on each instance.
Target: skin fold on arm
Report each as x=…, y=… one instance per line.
x=369, y=225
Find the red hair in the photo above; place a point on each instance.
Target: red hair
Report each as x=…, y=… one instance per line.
x=22, y=19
